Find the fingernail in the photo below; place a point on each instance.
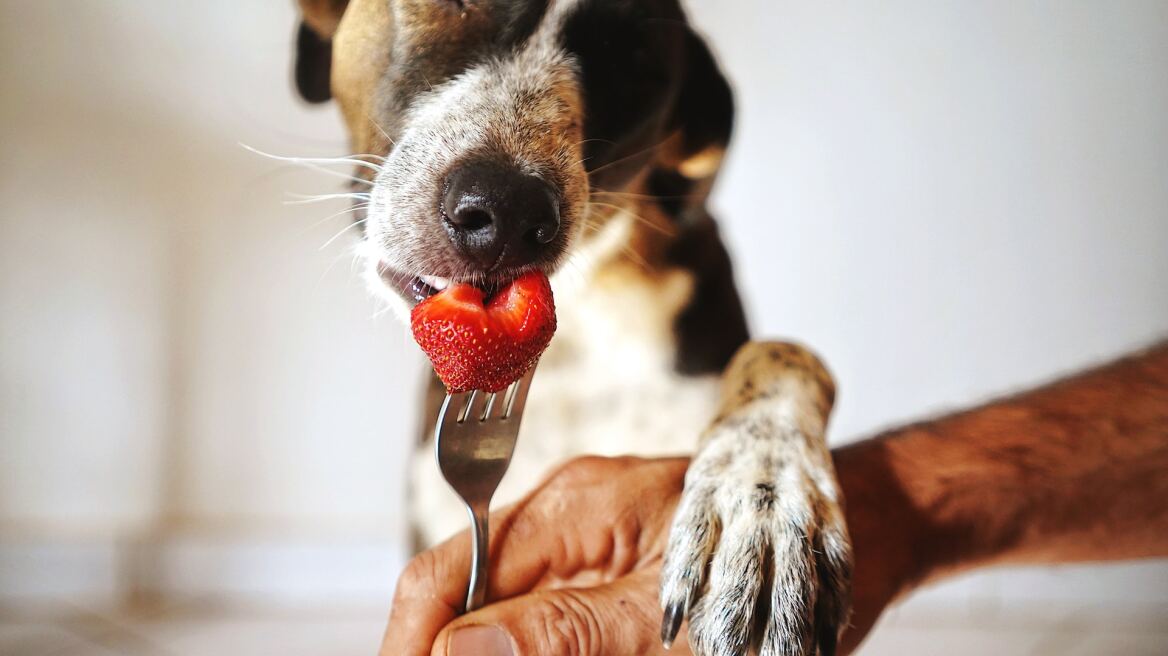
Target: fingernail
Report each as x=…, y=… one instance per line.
x=480, y=641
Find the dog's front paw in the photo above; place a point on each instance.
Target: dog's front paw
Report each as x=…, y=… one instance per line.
x=758, y=557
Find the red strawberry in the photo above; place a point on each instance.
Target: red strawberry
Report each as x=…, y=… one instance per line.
x=486, y=347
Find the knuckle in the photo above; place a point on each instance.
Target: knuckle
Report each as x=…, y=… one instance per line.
x=419, y=576
x=526, y=525
x=566, y=625
x=582, y=471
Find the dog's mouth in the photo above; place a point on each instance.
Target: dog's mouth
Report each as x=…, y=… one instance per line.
x=417, y=288
x=414, y=289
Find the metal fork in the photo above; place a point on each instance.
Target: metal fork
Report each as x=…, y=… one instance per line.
x=475, y=437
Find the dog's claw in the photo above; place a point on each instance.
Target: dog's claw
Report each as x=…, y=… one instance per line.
x=671, y=623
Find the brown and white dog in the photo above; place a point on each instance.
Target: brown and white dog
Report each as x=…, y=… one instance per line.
x=582, y=137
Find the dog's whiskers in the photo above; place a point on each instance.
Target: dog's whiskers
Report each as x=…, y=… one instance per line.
x=335, y=174
x=625, y=248
x=649, y=224
x=305, y=199
x=315, y=164
x=637, y=196
x=343, y=231
x=388, y=139
x=348, y=210
x=626, y=158
x=346, y=159
x=375, y=156
x=584, y=141
x=332, y=265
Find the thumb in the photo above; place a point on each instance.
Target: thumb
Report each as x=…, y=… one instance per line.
x=621, y=617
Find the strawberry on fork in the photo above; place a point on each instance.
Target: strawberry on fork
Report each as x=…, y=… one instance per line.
x=480, y=343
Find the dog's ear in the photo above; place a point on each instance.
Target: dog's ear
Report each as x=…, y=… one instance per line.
x=314, y=47
x=712, y=325
x=704, y=113
x=702, y=119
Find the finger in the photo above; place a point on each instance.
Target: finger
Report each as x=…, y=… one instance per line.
x=589, y=514
x=431, y=590
x=615, y=618
x=418, y=612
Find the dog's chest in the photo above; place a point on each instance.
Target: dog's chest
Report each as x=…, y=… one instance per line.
x=605, y=386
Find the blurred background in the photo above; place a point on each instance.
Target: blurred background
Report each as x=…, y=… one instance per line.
x=203, y=427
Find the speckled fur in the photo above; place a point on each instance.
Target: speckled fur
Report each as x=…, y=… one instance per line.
x=759, y=554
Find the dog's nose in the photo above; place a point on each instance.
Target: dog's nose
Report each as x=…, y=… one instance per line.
x=497, y=216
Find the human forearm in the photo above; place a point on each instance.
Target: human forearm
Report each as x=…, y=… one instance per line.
x=1076, y=470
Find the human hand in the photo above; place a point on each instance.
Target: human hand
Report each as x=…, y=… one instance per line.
x=575, y=569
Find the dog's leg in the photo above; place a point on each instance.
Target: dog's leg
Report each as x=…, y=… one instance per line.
x=758, y=557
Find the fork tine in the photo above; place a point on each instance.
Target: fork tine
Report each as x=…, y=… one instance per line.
x=478, y=405
x=508, y=399
x=494, y=401
x=453, y=408
x=465, y=412
x=517, y=395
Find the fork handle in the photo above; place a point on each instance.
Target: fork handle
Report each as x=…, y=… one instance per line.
x=477, y=592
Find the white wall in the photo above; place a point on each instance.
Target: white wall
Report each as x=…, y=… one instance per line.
x=947, y=200
x=178, y=355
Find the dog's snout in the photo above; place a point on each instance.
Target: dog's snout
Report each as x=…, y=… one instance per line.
x=498, y=216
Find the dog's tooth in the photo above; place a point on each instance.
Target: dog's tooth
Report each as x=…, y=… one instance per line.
x=437, y=282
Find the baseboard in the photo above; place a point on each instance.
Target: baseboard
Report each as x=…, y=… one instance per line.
x=41, y=571
x=96, y=572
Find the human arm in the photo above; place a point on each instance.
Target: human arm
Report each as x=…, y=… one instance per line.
x=1072, y=471
x=1076, y=470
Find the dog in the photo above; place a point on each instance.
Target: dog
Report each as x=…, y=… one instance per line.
x=582, y=138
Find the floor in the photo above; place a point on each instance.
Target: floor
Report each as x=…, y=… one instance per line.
x=914, y=629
